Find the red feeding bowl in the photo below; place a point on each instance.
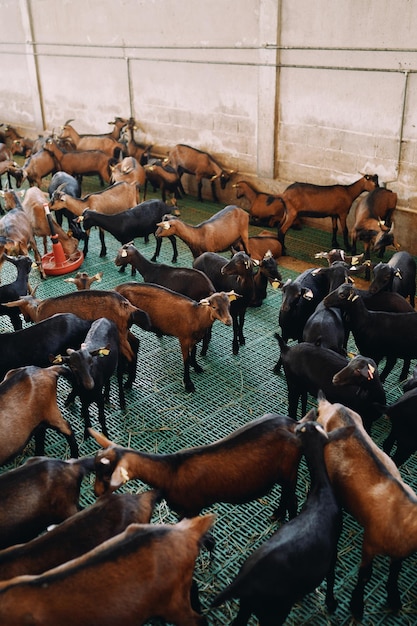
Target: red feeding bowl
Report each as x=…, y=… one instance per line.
x=56, y=263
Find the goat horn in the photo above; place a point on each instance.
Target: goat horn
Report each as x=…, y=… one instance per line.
x=69, y=121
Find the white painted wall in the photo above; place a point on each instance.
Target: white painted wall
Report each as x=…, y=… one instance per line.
x=280, y=90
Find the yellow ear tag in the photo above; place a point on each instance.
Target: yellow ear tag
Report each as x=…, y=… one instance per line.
x=232, y=297
x=275, y=284
x=124, y=474
x=104, y=352
x=57, y=359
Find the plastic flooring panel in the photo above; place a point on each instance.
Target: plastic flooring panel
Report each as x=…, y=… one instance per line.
x=233, y=389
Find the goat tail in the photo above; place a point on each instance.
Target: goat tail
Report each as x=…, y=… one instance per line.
x=282, y=344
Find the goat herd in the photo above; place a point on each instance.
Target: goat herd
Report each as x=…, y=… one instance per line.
x=107, y=563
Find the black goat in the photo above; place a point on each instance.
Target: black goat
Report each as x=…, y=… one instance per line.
x=140, y=221
x=266, y=272
x=378, y=334
x=92, y=366
x=234, y=275
x=34, y=344
x=309, y=369
x=299, y=555
x=185, y=280
x=402, y=414
x=16, y=289
x=71, y=186
x=398, y=275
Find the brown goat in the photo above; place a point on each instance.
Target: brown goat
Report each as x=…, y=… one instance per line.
x=106, y=142
x=332, y=201
x=260, y=245
x=37, y=166
x=17, y=230
x=115, y=199
x=32, y=391
x=373, y=224
x=80, y=162
x=34, y=204
x=78, y=534
x=129, y=170
x=176, y=315
x=89, y=305
x=149, y=567
x=38, y=493
x=83, y=281
x=368, y=485
x=185, y=159
x=263, y=207
x=163, y=177
x=134, y=149
x=217, y=234
x=236, y=469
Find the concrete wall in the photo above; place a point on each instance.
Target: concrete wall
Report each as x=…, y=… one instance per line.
x=280, y=90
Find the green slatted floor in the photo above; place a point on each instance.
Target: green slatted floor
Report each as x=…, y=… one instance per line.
x=162, y=417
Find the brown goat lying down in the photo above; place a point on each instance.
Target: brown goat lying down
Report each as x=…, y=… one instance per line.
x=144, y=572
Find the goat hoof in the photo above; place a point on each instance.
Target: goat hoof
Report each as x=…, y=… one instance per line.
x=394, y=601
x=331, y=604
x=189, y=387
x=356, y=608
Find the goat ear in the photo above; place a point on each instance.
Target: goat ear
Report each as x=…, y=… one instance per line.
x=164, y=225
x=308, y=294
x=311, y=416
x=321, y=396
x=120, y=475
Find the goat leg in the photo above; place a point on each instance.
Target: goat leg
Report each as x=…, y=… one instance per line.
x=356, y=601
x=394, y=598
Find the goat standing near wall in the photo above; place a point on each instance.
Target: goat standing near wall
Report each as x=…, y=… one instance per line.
x=185, y=159
x=332, y=201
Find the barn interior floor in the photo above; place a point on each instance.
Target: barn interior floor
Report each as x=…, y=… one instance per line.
x=232, y=390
